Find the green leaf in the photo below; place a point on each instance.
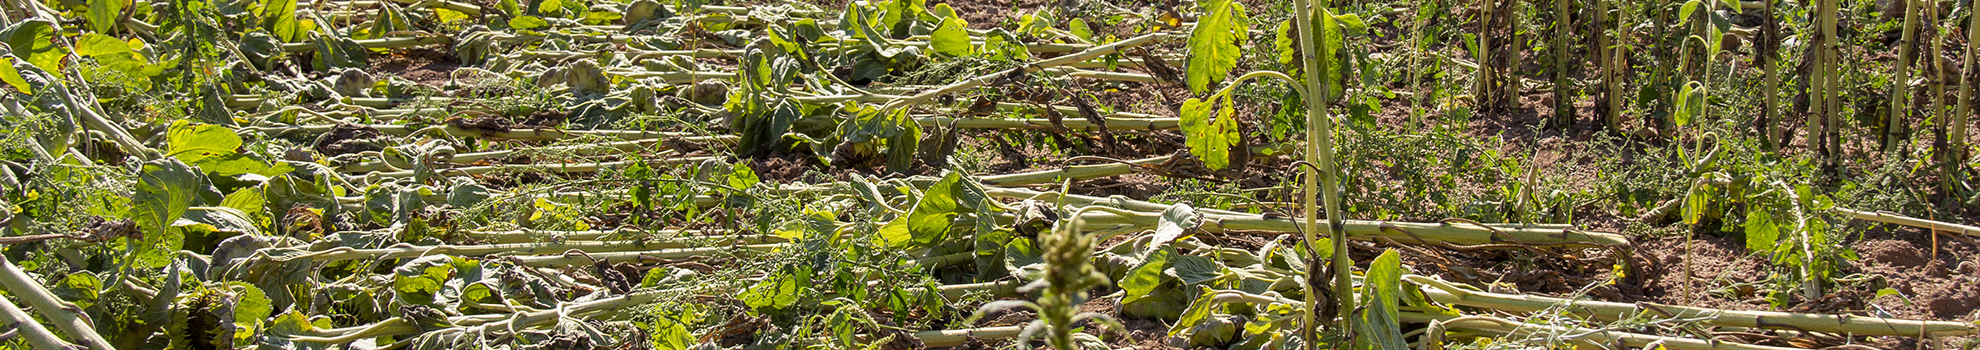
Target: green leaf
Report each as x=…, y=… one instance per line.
x=1001, y=44
x=251, y=306
x=12, y=76
x=104, y=14
x=527, y=23
x=895, y=234
x=932, y=217
x=1210, y=139
x=279, y=17
x=951, y=39
x=184, y=137
x=165, y=189
x=1333, y=39
x=1761, y=232
x=780, y=290
x=218, y=219
x=670, y=333
x=1143, y=280
x=34, y=41
x=1079, y=29
x=115, y=54
x=1684, y=12
x=742, y=177
x=1379, y=328
x=1197, y=312
x=1213, y=44
x=1351, y=24
x=1194, y=270
x=79, y=288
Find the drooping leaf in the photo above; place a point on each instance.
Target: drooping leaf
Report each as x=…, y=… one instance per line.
x=166, y=188
x=1210, y=129
x=1142, y=280
x=1214, y=43
x=1197, y=312
x=103, y=14
x=251, y=307
x=1174, y=222
x=1379, y=328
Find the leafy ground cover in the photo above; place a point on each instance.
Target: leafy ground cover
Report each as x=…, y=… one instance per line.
x=973, y=174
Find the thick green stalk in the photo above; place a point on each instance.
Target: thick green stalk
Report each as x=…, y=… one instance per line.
x=1901, y=79
x=63, y=315
x=1444, y=292
x=27, y=328
x=1320, y=151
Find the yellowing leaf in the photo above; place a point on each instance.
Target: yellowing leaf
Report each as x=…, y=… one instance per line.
x=12, y=76
x=1213, y=45
x=1210, y=137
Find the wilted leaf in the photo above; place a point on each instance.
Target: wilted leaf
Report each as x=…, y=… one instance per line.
x=1379, y=328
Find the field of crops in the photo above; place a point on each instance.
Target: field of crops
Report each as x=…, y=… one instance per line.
x=980, y=174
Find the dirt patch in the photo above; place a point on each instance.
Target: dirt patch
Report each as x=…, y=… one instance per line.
x=1931, y=286
x=421, y=65
x=1715, y=263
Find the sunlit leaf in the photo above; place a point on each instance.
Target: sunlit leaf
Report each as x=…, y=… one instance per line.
x=951, y=39
x=1210, y=129
x=34, y=41
x=1379, y=327
x=104, y=14
x=1213, y=44
x=1142, y=280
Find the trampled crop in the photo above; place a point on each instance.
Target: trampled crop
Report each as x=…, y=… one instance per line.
x=900, y=174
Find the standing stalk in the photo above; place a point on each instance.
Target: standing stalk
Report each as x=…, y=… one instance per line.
x=1563, y=105
x=1966, y=86
x=1831, y=53
x=1769, y=46
x=1320, y=151
x=1936, y=70
x=1609, y=61
x=1901, y=79
x=1481, y=89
